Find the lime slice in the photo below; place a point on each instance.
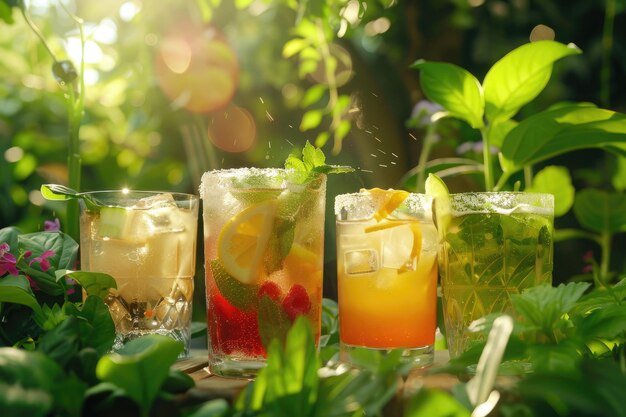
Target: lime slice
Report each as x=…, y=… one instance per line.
x=114, y=222
x=244, y=239
x=436, y=188
x=242, y=296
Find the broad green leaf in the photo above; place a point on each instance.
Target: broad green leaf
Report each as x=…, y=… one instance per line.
x=178, y=382
x=97, y=329
x=94, y=283
x=140, y=367
x=435, y=403
x=601, y=211
x=17, y=290
x=554, y=132
x=562, y=357
x=291, y=374
x=9, y=235
x=65, y=253
x=557, y=181
x=62, y=343
x=600, y=298
x=498, y=131
x=520, y=76
x=214, y=408
x=619, y=178
x=443, y=168
x=17, y=401
x=311, y=119
x=28, y=369
x=6, y=13
x=307, y=66
x=57, y=192
x=455, y=89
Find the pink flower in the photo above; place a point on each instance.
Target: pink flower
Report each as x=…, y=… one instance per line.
x=7, y=260
x=588, y=269
x=44, y=263
x=588, y=256
x=52, y=225
x=32, y=283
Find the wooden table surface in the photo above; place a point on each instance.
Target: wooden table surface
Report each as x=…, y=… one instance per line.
x=210, y=386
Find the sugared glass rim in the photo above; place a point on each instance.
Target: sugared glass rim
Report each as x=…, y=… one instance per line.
x=225, y=177
x=416, y=204
x=129, y=192
x=490, y=201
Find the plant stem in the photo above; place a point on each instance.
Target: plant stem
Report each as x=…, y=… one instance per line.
x=329, y=72
x=503, y=179
x=75, y=107
x=35, y=29
x=426, y=147
x=605, y=245
x=528, y=176
x=607, y=47
x=487, y=160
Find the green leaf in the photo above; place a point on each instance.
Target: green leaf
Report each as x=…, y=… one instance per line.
x=342, y=130
x=94, y=283
x=554, y=132
x=17, y=401
x=519, y=76
x=9, y=235
x=17, y=290
x=543, y=305
x=313, y=95
x=291, y=374
x=242, y=4
x=322, y=139
x=605, y=323
x=178, y=382
x=557, y=181
x=601, y=211
x=562, y=357
x=435, y=403
x=311, y=119
x=57, y=192
x=619, y=178
x=498, y=131
x=6, y=13
x=97, y=329
x=140, y=367
x=28, y=369
x=62, y=343
x=65, y=253
x=214, y=408
x=455, y=89
x=294, y=46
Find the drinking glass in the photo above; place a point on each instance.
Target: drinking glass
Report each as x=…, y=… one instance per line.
x=493, y=245
x=263, y=246
x=146, y=240
x=387, y=275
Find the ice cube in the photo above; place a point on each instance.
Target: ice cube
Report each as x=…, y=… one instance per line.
x=361, y=261
x=156, y=201
x=397, y=247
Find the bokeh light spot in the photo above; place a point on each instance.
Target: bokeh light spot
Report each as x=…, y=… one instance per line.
x=196, y=68
x=13, y=154
x=233, y=130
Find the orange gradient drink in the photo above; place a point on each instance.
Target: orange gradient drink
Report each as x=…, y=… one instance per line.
x=387, y=273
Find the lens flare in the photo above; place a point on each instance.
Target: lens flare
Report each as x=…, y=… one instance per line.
x=233, y=130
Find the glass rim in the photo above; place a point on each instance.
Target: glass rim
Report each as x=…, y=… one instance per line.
x=227, y=172
x=416, y=203
x=492, y=201
x=178, y=196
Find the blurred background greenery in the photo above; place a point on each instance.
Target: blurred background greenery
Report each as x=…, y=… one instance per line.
x=174, y=88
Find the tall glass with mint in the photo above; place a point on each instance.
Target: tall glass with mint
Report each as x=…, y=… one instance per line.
x=492, y=245
x=263, y=250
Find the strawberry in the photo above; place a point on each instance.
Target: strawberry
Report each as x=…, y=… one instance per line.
x=271, y=289
x=297, y=302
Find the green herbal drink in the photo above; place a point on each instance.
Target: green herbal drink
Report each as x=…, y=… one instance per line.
x=492, y=245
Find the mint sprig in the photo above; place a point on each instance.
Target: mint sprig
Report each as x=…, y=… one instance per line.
x=57, y=192
x=311, y=164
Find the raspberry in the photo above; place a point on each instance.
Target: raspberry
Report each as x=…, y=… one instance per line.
x=296, y=302
x=232, y=330
x=271, y=289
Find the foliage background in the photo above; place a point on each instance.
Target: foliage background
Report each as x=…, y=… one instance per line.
x=134, y=135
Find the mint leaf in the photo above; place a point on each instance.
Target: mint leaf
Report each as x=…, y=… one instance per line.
x=94, y=283
x=273, y=321
x=544, y=305
x=57, y=192
x=312, y=164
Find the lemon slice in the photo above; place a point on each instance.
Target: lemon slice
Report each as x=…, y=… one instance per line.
x=390, y=200
x=243, y=240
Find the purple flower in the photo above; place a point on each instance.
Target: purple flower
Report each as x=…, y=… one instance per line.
x=52, y=225
x=7, y=260
x=424, y=111
x=44, y=263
